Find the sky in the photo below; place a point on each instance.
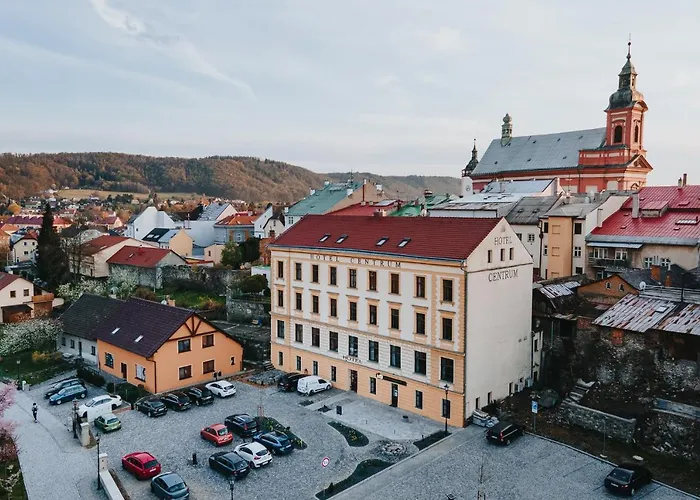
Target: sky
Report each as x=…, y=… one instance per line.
x=393, y=87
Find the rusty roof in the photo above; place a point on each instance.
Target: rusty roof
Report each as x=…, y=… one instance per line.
x=638, y=313
x=687, y=320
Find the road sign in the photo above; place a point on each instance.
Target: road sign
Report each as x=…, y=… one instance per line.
x=534, y=407
x=325, y=461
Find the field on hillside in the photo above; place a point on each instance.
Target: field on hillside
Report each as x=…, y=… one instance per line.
x=85, y=193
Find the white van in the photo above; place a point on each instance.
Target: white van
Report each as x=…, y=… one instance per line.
x=99, y=405
x=312, y=384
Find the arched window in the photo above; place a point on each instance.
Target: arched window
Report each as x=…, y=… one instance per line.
x=617, y=137
x=636, y=133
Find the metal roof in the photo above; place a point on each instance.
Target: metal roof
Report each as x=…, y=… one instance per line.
x=609, y=244
x=637, y=313
x=681, y=198
x=671, y=228
x=529, y=209
x=213, y=211
x=554, y=290
x=687, y=320
x=518, y=186
x=538, y=152
x=322, y=200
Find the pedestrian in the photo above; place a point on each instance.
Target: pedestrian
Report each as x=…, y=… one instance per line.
x=35, y=409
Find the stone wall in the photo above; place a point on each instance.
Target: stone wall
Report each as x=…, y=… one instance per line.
x=595, y=420
x=216, y=280
x=244, y=310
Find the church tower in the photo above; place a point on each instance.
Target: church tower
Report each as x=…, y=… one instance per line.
x=467, y=185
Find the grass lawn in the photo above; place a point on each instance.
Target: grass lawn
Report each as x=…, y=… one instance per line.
x=191, y=299
x=32, y=370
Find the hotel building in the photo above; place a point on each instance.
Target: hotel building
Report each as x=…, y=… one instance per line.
x=430, y=315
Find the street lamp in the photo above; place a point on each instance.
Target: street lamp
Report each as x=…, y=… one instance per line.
x=97, y=440
x=444, y=409
x=231, y=483
x=75, y=419
x=19, y=379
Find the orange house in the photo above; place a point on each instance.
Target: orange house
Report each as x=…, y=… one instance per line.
x=163, y=347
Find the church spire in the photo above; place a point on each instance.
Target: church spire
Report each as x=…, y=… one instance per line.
x=626, y=94
x=472, y=163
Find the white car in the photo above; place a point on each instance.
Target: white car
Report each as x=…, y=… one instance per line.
x=99, y=405
x=222, y=388
x=254, y=453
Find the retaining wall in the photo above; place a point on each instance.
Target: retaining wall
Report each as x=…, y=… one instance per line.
x=599, y=421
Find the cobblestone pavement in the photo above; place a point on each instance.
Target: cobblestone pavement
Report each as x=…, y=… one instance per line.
x=530, y=468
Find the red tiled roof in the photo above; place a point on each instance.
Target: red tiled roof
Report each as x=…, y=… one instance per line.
x=621, y=223
x=238, y=220
x=653, y=197
x=100, y=243
x=6, y=279
x=34, y=220
x=452, y=238
x=365, y=209
x=139, y=256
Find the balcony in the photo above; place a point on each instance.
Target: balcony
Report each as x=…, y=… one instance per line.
x=610, y=262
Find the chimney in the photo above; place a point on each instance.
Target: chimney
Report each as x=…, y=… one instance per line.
x=272, y=234
x=326, y=183
x=380, y=188
x=348, y=192
x=656, y=272
x=635, y=206
x=427, y=192
x=680, y=182
x=380, y=213
x=467, y=187
x=685, y=180
x=668, y=282
x=599, y=217
x=286, y=209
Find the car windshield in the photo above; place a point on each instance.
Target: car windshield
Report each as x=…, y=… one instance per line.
x=204, y=392
x=96, y=402
x=155, y=403
x=150, y=463
x=111, y=420
x=177, y=487
x=222, y=432
x=621, y=474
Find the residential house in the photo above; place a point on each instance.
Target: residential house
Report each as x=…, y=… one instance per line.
x=524, y=218
x=90, y=258
x=24, y=221
x=164, y=348
x=176, y=240
x=333, y=196
x=365, y=208
x=660, y=225
x=261, y=221
x=23, y=249
x=216, y=211
x=421, y=206
x=110, y=222
x=237, y=228
x=202, y=229
x=274, y=226
x=144, y=264
x=79, y=323
x=213, y=253
x=141, y=224
x=21, y=299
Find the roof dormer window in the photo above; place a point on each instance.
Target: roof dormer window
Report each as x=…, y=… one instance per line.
x=342, y=238
x=382, y=240
x=404, y=242
x=324, y=237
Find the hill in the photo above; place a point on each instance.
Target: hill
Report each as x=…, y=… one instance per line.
x=246, y=178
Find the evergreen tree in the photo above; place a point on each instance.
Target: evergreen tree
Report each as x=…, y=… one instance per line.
x=51, y=259
x=231, y=255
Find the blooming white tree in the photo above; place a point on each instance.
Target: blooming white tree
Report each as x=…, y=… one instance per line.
x=72, y=291
x=32, y=334
x=122, y=283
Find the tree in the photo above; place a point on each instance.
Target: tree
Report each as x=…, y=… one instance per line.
x=253, y=284
x=250, y=250
x=31, y=334
x=231, y=255
x=72, y=291
x=8, y=450
x=122, y=283
x=14, y=208
x=51, y=259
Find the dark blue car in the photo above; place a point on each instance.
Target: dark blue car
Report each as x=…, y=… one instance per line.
x=277, y=442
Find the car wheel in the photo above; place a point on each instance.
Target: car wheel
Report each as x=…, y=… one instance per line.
x=150, y=413
x=59, y=401
x=82, y=396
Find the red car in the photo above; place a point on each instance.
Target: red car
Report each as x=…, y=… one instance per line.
x=217, y=434
x=141, y=464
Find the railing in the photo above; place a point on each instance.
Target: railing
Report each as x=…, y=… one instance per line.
x=609, y=262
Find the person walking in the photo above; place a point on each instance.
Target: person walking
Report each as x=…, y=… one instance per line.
x=35, y=410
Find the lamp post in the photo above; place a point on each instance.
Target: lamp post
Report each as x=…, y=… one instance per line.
x=97, y=440
x=19, y=379
x=231, y=483
x=444, y=410
x=75, y=419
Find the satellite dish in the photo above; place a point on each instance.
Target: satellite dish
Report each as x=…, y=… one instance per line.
x=642, y=285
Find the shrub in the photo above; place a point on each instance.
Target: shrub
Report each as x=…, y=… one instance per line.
x=130, y=393
x=189, y=285
x=41, y=358
x=91, y=376
x=145, y=293
x=253, y=284
x=110, y=387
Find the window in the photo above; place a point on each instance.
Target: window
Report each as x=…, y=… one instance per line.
x=324, y=237
x=298, y=363
x=208, y=366
x=315, y=339
x=394, y=283
x=374, y=351
x=280, y=329
x=447, y=369
x=477, y=403
x=445, y=408
x=184, y=345
x=544, y=250
x=489, y=398
x=545, y=228
x=334, y=308
x=419, y=400
x=208, y=341
x=535, y=345
x=530, y=238
x=382, y=241
x=26, y=292
x=648, y=262
x=314, y=367
x=578, y=228
x=352, y=346
x=333, y=374
x=447, y=290
x=314, y=273
x=394, y=325
x=404, y=242
x=446, y=328
x=520, y=236
x=419, y=363
x=280, y=358
x=353, y=311
x=372, y=278
x=511, y=253
x=617, y=136
x=63, y=341
x=621, y=254
x=420, y=287
x=333, y=277
x=299, y=333
x=621, y=288
x=297, y=305
x=297, y=271
x=489, y=256
x=141, y=373
x=372, y=385
x=636, y=133
x=185, y=372
x=314, y=304
x=607, y=285
x=109, y=360
x=579, y=270
x=13, y=293
x=577, y=251
x=280, y=298
x=72, y=344
x=280, y=269
x=420, y=323
x=372, y=315
x=503, y=254
x=93, y=350
x=666, y=262
x=333, y=341
x=352, y=278
x=395, y=356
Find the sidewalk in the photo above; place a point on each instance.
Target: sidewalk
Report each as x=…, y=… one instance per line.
x=53, y=463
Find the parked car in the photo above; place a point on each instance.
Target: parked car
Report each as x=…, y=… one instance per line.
x=627, y=479
x=230, y=464
x=62, y=384
x=504, y=433
x=99, y=405
x=170, y=485
x=108, y=422
x=312, y=384
x=153, y=407
x=200, y=395
x=69, y=393
x=288, y=381
x=141, y=464
x=242, y=424
x=277, y=442
x=177, y=401
x=255, y=453
x=222, y=388
x=217, y=434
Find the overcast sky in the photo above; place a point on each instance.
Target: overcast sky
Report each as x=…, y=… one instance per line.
x=389, y=86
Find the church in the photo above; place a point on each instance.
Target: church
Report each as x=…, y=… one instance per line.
x=585, y=161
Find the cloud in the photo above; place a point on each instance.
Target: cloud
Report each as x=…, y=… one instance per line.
x=175, y=46
x=443, y=40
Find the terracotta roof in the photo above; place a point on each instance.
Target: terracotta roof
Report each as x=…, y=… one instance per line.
x=672, y=228
x=685, y=198
x=82, y=318
x=100, y=243
x=367, y=209
x=34, y=220
x=238, y=220
x=6, y=279
x=139, y=256
x=447, y=238
x=140, y=326
x=9, y=228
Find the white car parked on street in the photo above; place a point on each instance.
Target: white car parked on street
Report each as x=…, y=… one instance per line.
x=254, y=453
x=221, y=388
x=99, y=405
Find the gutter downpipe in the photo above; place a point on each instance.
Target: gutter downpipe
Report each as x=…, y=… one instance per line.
x=463, y=266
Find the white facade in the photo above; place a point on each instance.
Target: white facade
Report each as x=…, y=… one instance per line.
x=261, y=221
x=147, y=221
x=24, y=250
x=78, y=346
x=274, y=226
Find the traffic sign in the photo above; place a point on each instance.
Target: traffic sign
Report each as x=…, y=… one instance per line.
x=325, y=461
x=534, y=407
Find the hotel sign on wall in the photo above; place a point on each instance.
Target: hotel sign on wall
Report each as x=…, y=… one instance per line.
x=505, y=274
x=355, y=260
x=352, y=359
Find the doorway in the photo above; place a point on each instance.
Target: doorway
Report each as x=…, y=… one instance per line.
x=80, y=349
x=395, y=395
x=124, y=371
x=353, y=380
